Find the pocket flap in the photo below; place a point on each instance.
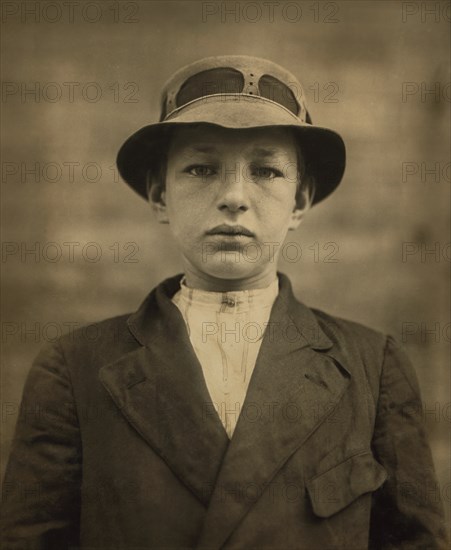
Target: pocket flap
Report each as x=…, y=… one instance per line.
x=336, y=488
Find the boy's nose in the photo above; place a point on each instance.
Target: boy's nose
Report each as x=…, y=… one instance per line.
x=233, y=189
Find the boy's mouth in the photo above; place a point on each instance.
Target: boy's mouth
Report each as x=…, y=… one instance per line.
x=230, y=231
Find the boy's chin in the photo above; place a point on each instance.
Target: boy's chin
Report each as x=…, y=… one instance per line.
x=230, y=270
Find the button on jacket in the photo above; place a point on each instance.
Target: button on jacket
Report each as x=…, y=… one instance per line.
x=118, y=445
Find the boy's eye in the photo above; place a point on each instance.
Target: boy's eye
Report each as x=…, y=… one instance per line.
x=257, y=172
x=266, y=172
x=200, y=170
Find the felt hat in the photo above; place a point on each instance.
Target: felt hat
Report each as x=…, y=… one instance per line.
x=235, y=91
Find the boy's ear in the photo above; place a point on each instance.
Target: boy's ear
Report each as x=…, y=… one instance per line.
x=157, y=199
x=296, y=218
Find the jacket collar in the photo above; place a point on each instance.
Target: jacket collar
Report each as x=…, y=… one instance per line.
x=305, y=329
x=299, y=378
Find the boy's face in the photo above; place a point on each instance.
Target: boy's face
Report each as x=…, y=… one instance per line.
x=230, y=200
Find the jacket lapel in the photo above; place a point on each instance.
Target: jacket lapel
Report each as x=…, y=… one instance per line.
x=298, y=380
x=160, y=390
x=159, y=387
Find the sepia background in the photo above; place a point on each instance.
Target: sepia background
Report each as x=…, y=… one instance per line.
x=78, y=80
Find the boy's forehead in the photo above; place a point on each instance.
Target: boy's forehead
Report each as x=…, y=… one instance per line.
x=261, y=141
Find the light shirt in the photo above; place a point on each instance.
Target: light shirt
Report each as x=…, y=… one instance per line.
x=226, y=331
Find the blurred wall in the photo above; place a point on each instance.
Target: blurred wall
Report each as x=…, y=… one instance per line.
x=81, y=77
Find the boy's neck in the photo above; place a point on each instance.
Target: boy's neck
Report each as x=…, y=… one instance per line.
x=203, y=281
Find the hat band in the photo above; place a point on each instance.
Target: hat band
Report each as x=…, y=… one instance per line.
x=229, y=97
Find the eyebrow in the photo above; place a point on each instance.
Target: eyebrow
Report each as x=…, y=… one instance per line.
x=262, y=152
x=203, y=149
x=257, y=151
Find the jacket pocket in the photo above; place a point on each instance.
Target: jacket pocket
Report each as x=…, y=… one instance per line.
x=339, y=486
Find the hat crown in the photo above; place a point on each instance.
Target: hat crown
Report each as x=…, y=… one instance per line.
x=234, y=75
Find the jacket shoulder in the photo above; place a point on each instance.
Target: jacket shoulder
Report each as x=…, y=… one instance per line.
x=364, y=349
x=102, y=341
x=339, y=329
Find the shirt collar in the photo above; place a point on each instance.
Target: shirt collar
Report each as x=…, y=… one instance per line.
x=231, y=301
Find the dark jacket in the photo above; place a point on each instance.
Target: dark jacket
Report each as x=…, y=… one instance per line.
x=118, y=445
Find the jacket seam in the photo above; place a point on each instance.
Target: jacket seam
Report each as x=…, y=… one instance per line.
x=71, y=385
x=353, y=455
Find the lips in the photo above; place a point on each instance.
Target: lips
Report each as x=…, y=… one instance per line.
x=230, y=231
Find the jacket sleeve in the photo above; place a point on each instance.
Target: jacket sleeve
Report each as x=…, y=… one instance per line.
x=41, y=489
x=407, y=511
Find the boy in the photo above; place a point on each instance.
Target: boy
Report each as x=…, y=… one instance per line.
x=224, y=413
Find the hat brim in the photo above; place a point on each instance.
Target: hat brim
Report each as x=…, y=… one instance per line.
x=322, y=148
